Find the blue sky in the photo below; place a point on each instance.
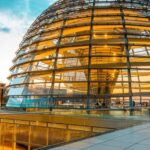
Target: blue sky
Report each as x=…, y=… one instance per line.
x=19, y=7
x=15, y=18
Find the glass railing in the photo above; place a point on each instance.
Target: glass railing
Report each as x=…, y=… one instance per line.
x=21, y=131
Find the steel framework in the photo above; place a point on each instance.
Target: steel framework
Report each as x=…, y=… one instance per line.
x=84, y=54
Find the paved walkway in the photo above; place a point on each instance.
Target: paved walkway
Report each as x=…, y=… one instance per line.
x=133, y=138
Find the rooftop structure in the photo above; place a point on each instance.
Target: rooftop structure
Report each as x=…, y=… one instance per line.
x=84, y=53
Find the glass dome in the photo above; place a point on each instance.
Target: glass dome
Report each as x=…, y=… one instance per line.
x=84, y=53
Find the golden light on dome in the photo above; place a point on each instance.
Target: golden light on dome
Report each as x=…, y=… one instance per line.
x=83, y=52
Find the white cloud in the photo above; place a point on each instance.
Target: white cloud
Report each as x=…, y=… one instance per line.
x=9, y=41
x=12, y=29
x=51, y=2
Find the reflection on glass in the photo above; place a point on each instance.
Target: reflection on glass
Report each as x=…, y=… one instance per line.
x=85, y=52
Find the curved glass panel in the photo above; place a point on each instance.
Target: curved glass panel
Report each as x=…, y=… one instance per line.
x=78, y=54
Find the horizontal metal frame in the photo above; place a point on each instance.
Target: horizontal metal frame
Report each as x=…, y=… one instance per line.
x=77, y=44
x=85, y=56
x=85, y=95
x=69, y=69
x=111, y=15
x=87, y=24
x=65, y=7
x=92, y=81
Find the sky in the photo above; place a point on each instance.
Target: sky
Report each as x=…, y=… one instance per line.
x=15, y=18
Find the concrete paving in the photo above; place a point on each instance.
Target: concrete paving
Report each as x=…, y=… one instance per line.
x=133, y=138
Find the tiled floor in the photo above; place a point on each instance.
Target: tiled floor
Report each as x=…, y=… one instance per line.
x=133, y=138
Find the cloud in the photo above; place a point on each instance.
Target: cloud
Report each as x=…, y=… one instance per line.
x=15, y=19
x=51, y=1
x=13, y=22
x=4, y=29
x=12, y=29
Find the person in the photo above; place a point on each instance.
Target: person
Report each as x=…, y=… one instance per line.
x=98, y=105
x=103, y=104
x=133, y=104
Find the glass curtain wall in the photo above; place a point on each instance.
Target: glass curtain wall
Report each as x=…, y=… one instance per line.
x=84, y=54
